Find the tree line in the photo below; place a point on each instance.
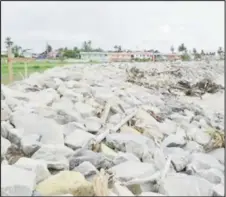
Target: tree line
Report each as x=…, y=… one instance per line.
x=74, y=52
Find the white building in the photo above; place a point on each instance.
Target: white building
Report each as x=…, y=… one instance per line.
x=95, y=56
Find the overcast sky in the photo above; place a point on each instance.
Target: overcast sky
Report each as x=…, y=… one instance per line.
x=133, y=25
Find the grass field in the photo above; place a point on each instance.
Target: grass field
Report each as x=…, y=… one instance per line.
x=36, y=66
x=19, y=69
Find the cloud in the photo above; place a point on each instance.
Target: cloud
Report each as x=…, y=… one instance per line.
x=130, y=24
x=165, y=29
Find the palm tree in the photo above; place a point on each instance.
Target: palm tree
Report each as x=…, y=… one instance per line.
x=16, y=50
x=182, y=48
x=194, y=51
x=89, y=43
x=219, y=51
x=202, y=52
x=49, y=48
x=8, y=42
x=172, y=49
x=116, y=47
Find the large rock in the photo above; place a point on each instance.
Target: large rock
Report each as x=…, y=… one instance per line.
x=5, y=111
x=64, y=108
x=5, y=128
x=49, y=130
x=93, y=124
x=30, y=144
x=108, y=152
x=86, y=168
x=179, y=157
x=84, y=109
x=17, y=181
x=45, y=97
x=185, y=185
x=174, y=141
x=66, y=182
x=15, y=135
x=96, y=159
x=218, y=190
x=193, y=146
x=129, y=143
x=78, y=138
x=72, y=126
x=56, y=156
x=123, y=157
x=199, y=161
x=37, y=166
x=5, y=144
x=132, y=169
x=218, y=154
x=212, y=175
x=202, y=137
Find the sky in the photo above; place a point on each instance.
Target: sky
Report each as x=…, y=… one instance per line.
x=135, y=25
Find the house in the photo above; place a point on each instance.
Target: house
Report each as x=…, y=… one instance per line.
x=27, y=54
x=95, y=56
x=120, y=56
x=143, y=55
x=53, y=54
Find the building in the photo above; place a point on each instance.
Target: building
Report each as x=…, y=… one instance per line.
x=95, y=56
x=127, y=56
x=120, y=56
x=27, y=54
x=142, y=55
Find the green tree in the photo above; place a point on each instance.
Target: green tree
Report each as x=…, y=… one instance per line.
x=202, y=52
x=49, y=48
x=87, y=46
x=8, y=42
x=220, y=51
x=194, y=51
x=172, y=49
x=17, y=50
x=118, y=48
x=182, y=48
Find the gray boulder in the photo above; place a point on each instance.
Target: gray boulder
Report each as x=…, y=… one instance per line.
x=37, y=166
x=174, y=140
x=132, y=169
x=30, y=144
x=200, y=161
x=56, y=156
x=218, y=154
x=96, y=159
x=86, y=168
x=78, y=138
x=49, y=130
x=178, y=184
x=17, y=181
x=5, y=144
x=133, y=143
x=123, y=157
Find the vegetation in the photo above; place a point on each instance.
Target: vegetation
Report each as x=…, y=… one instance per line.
x=64, y=53
x=182, y=48
x=118, y=48
x=172, y=49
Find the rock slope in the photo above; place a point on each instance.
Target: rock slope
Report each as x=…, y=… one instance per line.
x=133, y=129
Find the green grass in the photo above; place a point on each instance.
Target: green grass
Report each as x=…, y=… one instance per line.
x=19, y=68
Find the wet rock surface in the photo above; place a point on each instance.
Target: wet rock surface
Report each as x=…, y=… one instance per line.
x=132, y=129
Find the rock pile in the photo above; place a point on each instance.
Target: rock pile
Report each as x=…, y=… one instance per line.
x=86, y=130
